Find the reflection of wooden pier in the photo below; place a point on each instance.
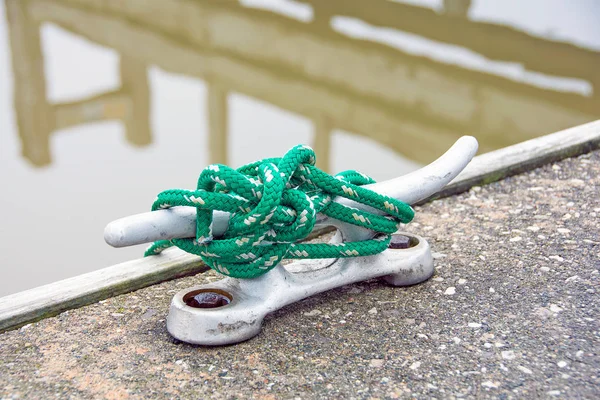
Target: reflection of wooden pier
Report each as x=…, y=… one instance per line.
x=411, y=104
x=37, y=118
x=496, y=42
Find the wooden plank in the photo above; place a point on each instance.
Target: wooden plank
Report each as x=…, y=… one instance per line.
x=499, y=164
x=46, y=301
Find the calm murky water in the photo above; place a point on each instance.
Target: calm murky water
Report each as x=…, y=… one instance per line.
x=103, y=104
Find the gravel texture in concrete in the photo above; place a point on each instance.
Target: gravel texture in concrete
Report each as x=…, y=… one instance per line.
x=511, y=312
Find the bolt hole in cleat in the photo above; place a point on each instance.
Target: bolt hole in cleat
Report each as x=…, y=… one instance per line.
x=244, y=222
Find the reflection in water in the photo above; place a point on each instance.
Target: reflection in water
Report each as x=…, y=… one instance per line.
x=407, y=78
x=409, y=103
x=37, y=118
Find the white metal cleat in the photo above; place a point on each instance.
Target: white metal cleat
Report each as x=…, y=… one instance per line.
x=232, y=310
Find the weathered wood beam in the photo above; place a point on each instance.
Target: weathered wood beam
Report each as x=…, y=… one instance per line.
x=525, y=156
x=46, y=301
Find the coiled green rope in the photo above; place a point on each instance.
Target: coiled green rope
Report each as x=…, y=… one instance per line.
x=274, y=204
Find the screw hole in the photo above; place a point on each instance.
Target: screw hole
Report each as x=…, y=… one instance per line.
x=403, y=242
x=207, y=298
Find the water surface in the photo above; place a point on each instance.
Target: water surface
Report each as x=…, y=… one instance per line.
x=103, y=104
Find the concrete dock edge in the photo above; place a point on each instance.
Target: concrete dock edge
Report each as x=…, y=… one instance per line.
x=49, y=300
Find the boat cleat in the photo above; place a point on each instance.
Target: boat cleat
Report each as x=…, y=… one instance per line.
x=232, y=310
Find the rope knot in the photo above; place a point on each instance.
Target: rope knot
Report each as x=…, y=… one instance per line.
x=273, y=204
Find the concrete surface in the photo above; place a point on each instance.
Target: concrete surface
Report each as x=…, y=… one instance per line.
x=512, y=312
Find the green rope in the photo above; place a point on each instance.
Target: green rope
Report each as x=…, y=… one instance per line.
x=273, y=205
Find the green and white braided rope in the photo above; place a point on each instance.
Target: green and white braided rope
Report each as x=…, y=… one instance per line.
x=274, y=205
